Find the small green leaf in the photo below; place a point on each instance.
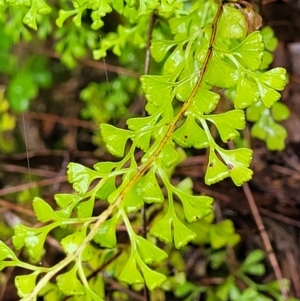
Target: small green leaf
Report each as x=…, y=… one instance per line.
x=175, y=61
x=81, y=177
x=256, y=269
x=77, y=17
x=186, y=185
x=195, y=207
x=115, y=139
x=269, y=38
x=32, y=238
x=71, y=243
x=106, y=234
x=101, y=6
x=257, y=110
x=153, y=279
x=267, y=60
x=69, y=284
x=280, y=111
x=107, y=188
x=143, y=141
x=148, y=189
x=247, y=92
x=130, y=273
x=205, y=101
x=273, y=133
x=85, y=209
x=226, y=76
x=118, y=5
x=159, y=49
x=179, y=26
x=157, y=89
x=162, y=228
x=276, y=135
x=6, y=252
x=223, y=234
x=190, y=134
x=228, y=123
x=142, y=123
x=267, y=84
x=38, y=7
x=216, y=169
x=63, y=200
x=143, y=126
x=259, y=130
x=63, y=15
x=251, y=50
x=20, y=234
x=232, y=23
x=169, y=156
x=67, y=202
x=182, y=234
x=25, y=283
x=254, y=257
x=29, y=18
x=105, y=167
x=237, y=161
x=275, y=78
x=43, y=211
x=240, y=155
x=149, y=252
x=240, y=175
x=268, y=95
x=132, y=201
x=88, y=253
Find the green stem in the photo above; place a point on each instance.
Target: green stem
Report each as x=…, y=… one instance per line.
x=169, y=188
x=130, y=231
